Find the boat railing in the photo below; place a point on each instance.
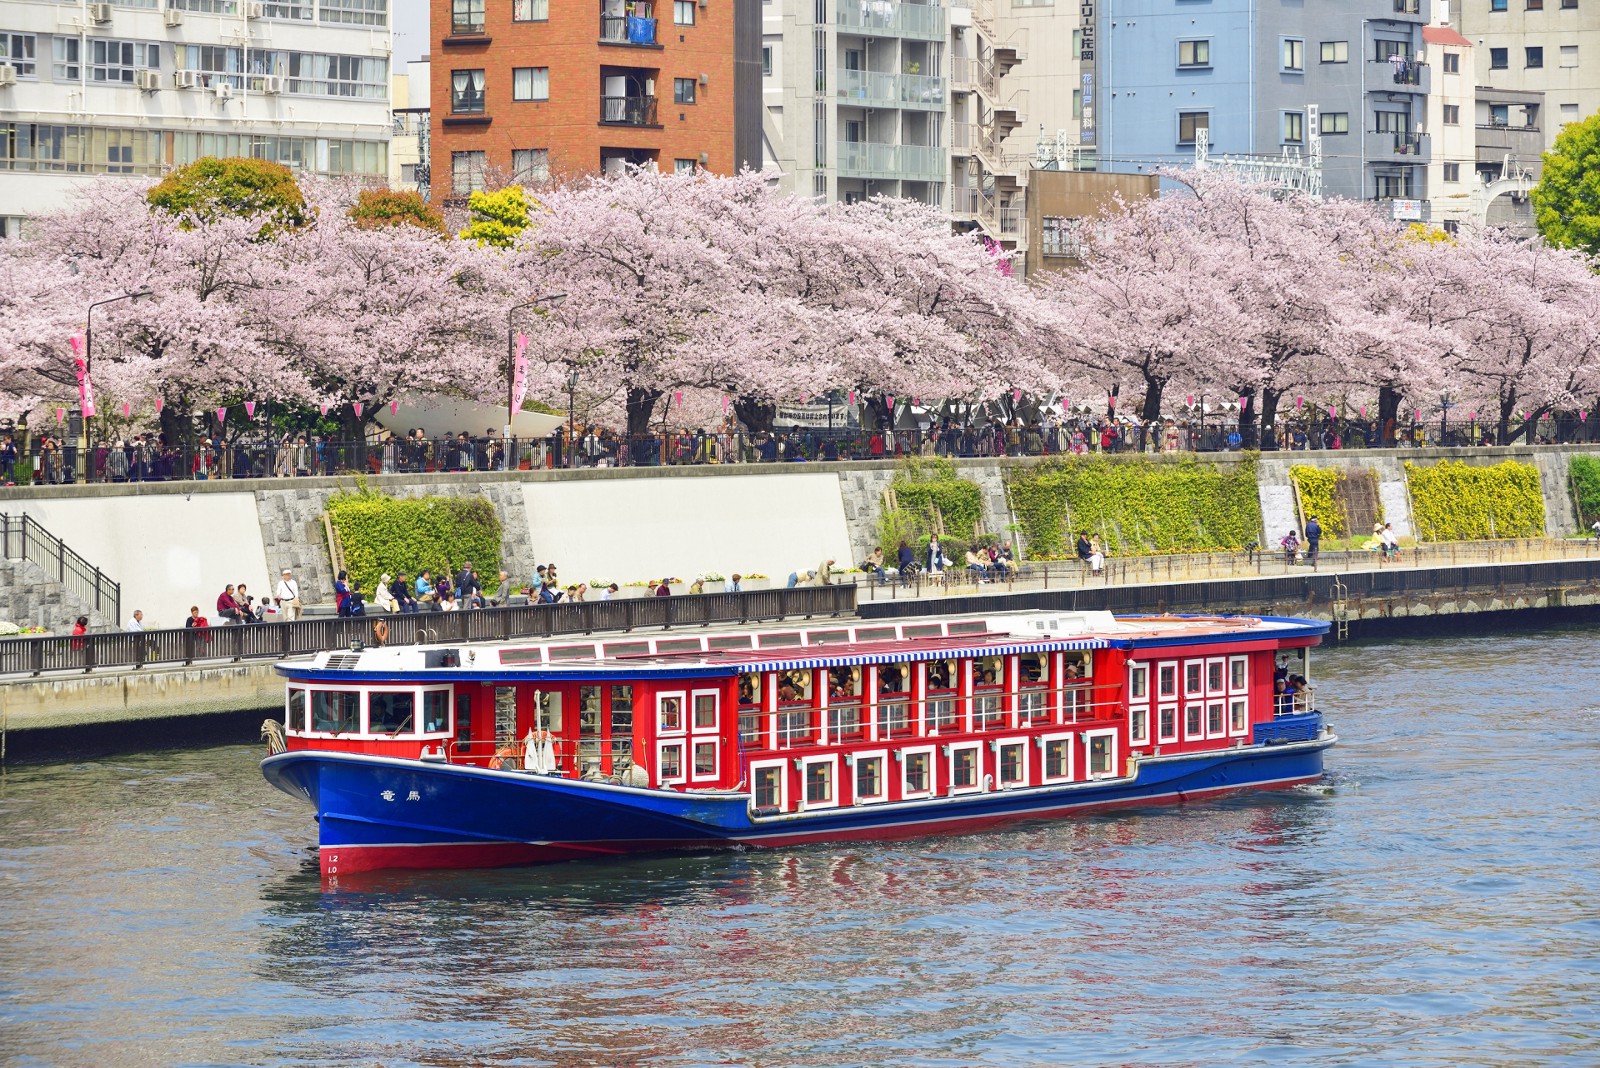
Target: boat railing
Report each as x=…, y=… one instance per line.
x=566, y=757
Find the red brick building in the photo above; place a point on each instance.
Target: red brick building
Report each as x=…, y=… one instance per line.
x=528, y=90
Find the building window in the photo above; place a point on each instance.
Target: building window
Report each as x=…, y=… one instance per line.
x=1395, y=122
x=530, y=10
x=683, y=12
x=1294, y=127
x=1535, y=5
x=17, y=49
x=684, y=166
x=466, y=173
x=1497, y=5
x=1499, y=58
x=1499, y=114
x=64, y=52
x=1190, y=123
x=1194, y=53
x=1569, y=55
x=1452, y=172
x=1569, y=5
x=530, y=165
x=1534, y=57
x=1294, y=54
x=466, y=92
x=1335, y=51
x=115, y=61
x=530, y=83
x=1077, y=103
x=354, y=12
x=219, y=65
x=1393, y=186
x=1452, y=63
x=766, y=61
x=1452, y=226
x=683, y=90
x=1569, y=113
x=1062, y=236
x=466, y=16
x=1385, y=50
x=1333, y=122
x=1452, y=114
x=1077, y=43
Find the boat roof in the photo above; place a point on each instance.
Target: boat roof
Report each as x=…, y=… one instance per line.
x=789, y=647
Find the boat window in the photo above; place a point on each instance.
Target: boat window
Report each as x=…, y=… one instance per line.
x=892, y=679
x=794, y=686
x=1033, y=671
x=391, y=711
x=1194, y=722
x=669, y=713
x=590, y=716
x=1035, y=668
x=1138, y=682
x=827, y=637
x=1058, y=759
x=988, y=676
x=924, y=630
x=435, y=711
x=522, y=656
x=794, y=704
x=730, y=641
x=679, y=645
x=1013, y=764
x=1102, y=755
x=550, y=717
x=942, y=676
x=918, y=769
x=1214, y=719
x=572, y=652
x=705, y=759
x=1193, y=672
x=1238, y=673
x=767, y=786
x=869, y=779
x=295, y=716
x=844, y=701
x=335, y=711
x=621, y=728
x=876, y=634
x=1139, y=724
x=464, y=721
x=750, y=688
x=1214, y=677
x=819, y=783
x=705, y=711
x=773, y=641
x=1167, y=723
x=964, y=768
x=975, y=626
x=1167, y=680
x=627, y=648
x=1238, y=715
x=988, y=671
x=505, y=714
x=1076, y=666
x=671, y=760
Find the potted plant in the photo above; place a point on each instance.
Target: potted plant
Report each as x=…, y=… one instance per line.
x=755, y=580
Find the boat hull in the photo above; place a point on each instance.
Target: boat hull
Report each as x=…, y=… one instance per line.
x=379, y=812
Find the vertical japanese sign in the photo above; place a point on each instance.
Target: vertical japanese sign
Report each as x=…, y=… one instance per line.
x=1087, y=47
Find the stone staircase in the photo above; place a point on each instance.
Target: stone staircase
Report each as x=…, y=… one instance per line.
x=31, y=598
x=43, y=583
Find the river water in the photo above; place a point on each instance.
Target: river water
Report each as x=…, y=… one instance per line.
x=1434, y=902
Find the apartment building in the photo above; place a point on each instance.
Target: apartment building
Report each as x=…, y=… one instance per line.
x=1548, y=47
x=1254, y=78
x=136, y=87
x=527, y=91
x=1452, y=127
x=408, y=143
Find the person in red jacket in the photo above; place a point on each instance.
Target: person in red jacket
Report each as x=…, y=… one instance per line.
x=227, y=607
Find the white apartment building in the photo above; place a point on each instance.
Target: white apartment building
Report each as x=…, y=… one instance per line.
x=1538, y=46
x=1450, y=119
x=137, y=86
x=408, y=143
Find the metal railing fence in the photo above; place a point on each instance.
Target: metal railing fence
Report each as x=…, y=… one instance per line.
x=22, y=538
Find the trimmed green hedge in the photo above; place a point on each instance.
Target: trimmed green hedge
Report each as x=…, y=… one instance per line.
x=386, y=534
x=1136, y=507
x=924, y=488
x=1454, y=501
x=1585, y=475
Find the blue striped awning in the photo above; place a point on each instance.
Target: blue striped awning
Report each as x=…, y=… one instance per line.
x=913, y=655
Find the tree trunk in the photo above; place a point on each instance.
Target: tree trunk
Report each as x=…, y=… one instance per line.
x=756, y=414
x=177, y=426
x=1388, y=412
x=1269, y=412
x=1247, y=417
x=641, y=406
x=1151, y=411
x=1508, y=405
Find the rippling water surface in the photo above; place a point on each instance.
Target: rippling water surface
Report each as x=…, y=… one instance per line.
x=1434, y=902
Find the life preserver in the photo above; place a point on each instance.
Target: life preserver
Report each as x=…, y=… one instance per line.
x=380, y=632
x=506, y=756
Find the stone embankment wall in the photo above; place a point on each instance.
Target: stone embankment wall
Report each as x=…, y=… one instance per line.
x=174, y=545
x=31, y=598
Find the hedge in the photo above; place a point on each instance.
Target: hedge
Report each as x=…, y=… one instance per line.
x=1319, y=496
x=930, y=495
x=1454, y=501
x=1585, y=475
x=1136, y=507
x=382, y=534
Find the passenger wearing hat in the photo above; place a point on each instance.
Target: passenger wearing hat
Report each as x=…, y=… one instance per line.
x=288, y=596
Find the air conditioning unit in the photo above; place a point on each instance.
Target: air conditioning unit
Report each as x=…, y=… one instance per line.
x=148, y=80
x=100, y=13
x=173, y=17
x=8, y=74
x=272, y=83
x=224, y=91
x=186, y=79
x=253, y=11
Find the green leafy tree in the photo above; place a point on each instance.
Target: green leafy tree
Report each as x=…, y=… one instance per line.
x=376, y=208
x=498, y=217
x=212, y=188
x=1566, y=202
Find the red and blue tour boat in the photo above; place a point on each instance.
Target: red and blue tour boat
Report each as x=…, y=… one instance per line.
x=487, y=755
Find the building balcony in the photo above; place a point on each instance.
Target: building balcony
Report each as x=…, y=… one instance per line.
x=884, y=18
x=628, y=30
x=1411, y=148
x=1495, y=141
x=1402, y=76
x=867, y=88
x=1408, y=7
x=628, y=111
x=912, y=163
x=963, y=202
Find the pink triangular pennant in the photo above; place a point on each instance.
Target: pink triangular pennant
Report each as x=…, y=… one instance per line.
x=889, y=400
x=725, y=403
x=1016, y=396
x=61, y=415
x=249, y=409
x=394, y=407
x=1583, y=417
x=1189, y=400
x=852, y=398
x=357, y=406
x=1363, y=411
x=324, y=408
x=160, y=404
x=222, y=415
x=127, y=410
x=1243, y=403
x=677, y=397
x=1299, y=402
x=77, y=344
x=1333, y=413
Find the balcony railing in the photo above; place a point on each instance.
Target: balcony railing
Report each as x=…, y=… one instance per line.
x=628, y=110
x=1408, y=73
x=1410, y=144
x=889, y=19
x=891, y=90
x=963, y=201
x=627, y=29
x=870, y=159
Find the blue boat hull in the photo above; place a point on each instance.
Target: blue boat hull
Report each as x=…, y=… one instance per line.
x=379, y=812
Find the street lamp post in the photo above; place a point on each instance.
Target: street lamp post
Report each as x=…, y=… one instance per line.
x=551, y=299
x=88, y=370
x=572, y=430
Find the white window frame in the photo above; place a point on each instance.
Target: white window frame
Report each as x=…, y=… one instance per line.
x=908, y=794
x=1234, y=703
x=1241, y=682
x=305, y=713
x=716, y=698
x=1177, y=678
x=1045, y=778
x=361, y=713
x=1220, y=664
x=683, y=714
x=1220, y=704
x=1176, y=708
x=880, y=755
x=952, y=749
x=1021, y=742
x=1200, y=686
x=1198, y=734
x=782, y=767
x=682, y=746
x=449, y=711
x=716, y=748
x=532, y=78
x=1141, y=671
x=1138, y=737
x=1088, y=747
x=681, y=7
x=805, y=764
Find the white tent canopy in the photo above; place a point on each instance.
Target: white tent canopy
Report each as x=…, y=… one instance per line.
x=437, y=416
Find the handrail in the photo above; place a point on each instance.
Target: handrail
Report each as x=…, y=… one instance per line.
x=277, y=641
x=22, y=538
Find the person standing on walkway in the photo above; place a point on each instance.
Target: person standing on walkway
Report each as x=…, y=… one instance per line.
x=288, y=597
x=1313, y=541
